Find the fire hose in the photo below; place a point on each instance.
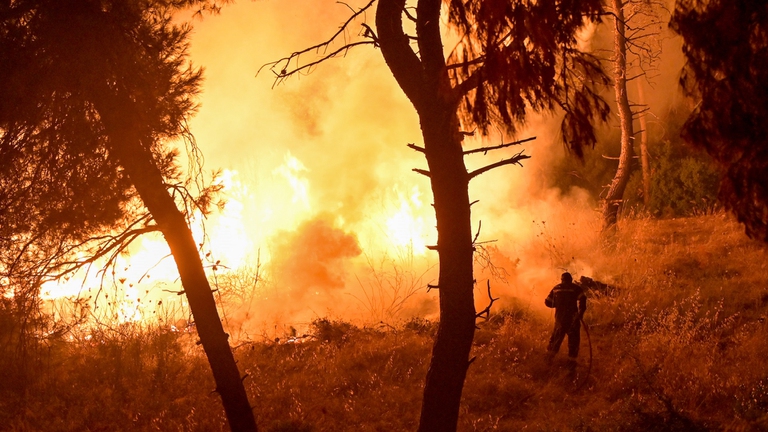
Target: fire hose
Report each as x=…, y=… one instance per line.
x=589, y=343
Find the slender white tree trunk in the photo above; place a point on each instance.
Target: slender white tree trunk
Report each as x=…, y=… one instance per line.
x=615, y=196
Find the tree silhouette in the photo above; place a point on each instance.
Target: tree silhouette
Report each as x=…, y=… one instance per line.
x=636, y=31
x=92, y=92
x=726, y=48
x=615, y=193
x=512, y=57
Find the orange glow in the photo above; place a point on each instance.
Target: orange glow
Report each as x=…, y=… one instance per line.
x=318, y=180
x=225, y=229
x=406, y=227
x=292, y=170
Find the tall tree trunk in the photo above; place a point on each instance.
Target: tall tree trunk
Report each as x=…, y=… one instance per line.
x=424, y=80
x=126, y=145
x=644, y=155
x=615, y=195
x=450, y=354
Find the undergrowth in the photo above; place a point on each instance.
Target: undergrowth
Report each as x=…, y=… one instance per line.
x=680, y=345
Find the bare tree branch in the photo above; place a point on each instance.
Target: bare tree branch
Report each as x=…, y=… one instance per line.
x=422, y=172
x=486, y=313
x=479, y=226
x=114, y=246
x=417, y=148
x=485, y=150
x=642, y=111
x=473, y=62
x=285, y=73
x=513, y=160
x=282, y=67
x=408, y=13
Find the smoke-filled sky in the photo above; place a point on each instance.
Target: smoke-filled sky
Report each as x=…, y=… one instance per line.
x=320, y=186
x=331, y=147
x=325, y=142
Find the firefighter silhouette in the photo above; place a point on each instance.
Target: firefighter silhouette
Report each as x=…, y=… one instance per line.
x=570, y=303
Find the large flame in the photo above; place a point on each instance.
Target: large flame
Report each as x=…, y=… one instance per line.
x=292, y=170
x=317, y=169
x=407, y=227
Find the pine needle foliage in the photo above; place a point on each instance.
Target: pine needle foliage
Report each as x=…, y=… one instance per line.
x=726, y=47
x=516, y=56
x=60, y=191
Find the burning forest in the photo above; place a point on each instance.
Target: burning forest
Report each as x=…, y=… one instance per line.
x=383, y=215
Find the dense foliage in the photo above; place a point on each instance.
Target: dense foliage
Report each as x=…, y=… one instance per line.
x=60, y=191
x=524, y=57
x=683, y=182
x=121, y=68
x=726, y=47
x=684, y=179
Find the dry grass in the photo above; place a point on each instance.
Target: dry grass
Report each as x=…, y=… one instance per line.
x=682, y=345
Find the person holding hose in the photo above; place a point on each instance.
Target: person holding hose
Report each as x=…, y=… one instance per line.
x=570, y=303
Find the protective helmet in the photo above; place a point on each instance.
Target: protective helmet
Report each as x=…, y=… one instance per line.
x=566, y=277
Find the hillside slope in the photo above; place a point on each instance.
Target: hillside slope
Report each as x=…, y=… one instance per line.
x=680, y=344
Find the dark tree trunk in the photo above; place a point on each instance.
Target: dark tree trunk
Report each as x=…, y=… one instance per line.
x=127, y=147
x=615, y=196
x=450, y=354
x=425, y=81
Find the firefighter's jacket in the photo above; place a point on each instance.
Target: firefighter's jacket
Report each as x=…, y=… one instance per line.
x=567, y=298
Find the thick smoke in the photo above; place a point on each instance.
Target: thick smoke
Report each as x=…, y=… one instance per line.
x=310, y=265
x=346, y=123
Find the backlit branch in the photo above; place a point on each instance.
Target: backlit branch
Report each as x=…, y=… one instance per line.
x=516, y=159
x=417, y=148
x=472, y=82
x=285, y=73
x=482, y=258
x=408, y=14
x=486, y=313
x=282, y=67
x=56, y=265
x=639, y=112
x=479, y=226
x=485, y=150
x=117, y=248
x=473, y=62
x=422, y=172
x=111, y=246
x=643, y=23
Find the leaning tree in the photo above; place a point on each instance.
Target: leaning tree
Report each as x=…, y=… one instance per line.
x=726, y=47
x=91, y=93
x=512, y=57
x=637, y=26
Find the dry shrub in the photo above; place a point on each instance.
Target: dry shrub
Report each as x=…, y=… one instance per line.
x=681, y=346
x=686, y=332
x=331, y=331
x=371, y=382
